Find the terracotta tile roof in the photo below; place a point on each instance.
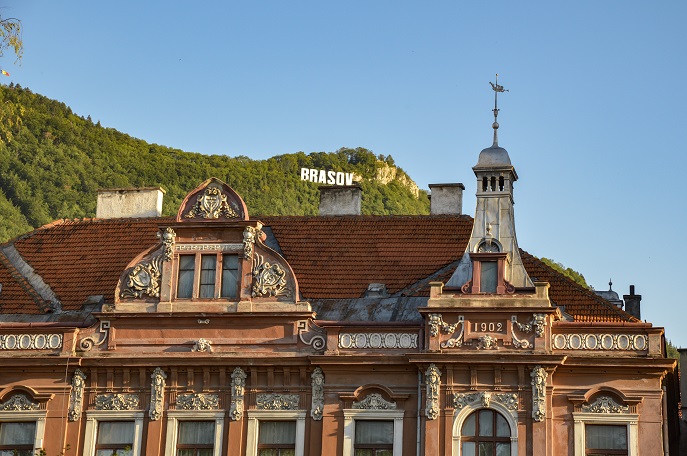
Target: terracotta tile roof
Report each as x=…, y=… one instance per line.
x=333, y=258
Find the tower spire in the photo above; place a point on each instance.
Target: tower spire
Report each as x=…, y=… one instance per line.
x=496, y=88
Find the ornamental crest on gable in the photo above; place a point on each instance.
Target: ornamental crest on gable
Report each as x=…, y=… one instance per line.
x=213, y=200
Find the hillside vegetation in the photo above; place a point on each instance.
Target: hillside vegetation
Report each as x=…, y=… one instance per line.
x=53, y=161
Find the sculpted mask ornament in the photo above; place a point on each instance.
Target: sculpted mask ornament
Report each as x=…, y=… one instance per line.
x=167, y=236
x=202, y=345
x=374, y=401
x=432, y=381
x=76, y=395
x=250, y=234
x=487, y=342
x=157, y=393
x=268, y=279
x=317, y=404
x=211, y=205
x=238, y=385
x=539, y=376
x=144, y=279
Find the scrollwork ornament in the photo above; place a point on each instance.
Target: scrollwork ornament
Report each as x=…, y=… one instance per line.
x=116, y=402
x=144, y=279
x=87, y=343
x=317, y=403
x=167, y=236
x=19, y=402
x=211, y=205
x=268, y=279
x=277, y=401
x=238, y=385
x=485, y=398
x=76, y=395
x=539, y=376
x=432, y=382
x=605, y=404
x=374, y=401
x=197, y=401
x=157, y=393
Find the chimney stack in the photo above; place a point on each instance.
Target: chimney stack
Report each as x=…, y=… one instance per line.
x=129, y=202
x=632, y=303
x=340, y=200
x=446, y=199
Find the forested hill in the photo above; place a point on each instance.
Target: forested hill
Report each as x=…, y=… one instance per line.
x=53, y=161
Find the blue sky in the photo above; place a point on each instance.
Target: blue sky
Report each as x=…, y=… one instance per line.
x=591, y=121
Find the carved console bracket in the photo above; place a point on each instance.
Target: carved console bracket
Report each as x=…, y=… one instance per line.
x=87, y=343
x=311, y=334
x=157, y=393
x=238, y=386
x=76, y=395
x=539, y=376
x=432, y=382
x=317, y=403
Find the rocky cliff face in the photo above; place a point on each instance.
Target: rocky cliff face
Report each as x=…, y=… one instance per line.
x=387, y=173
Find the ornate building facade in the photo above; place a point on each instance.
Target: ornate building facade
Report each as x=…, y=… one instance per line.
x=216, y=333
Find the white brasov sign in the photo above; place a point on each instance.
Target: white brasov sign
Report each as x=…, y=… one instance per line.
x=322, y=176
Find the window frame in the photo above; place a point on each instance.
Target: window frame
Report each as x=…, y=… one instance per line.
x=353, y=415
x=93, y=417
x=197, y=273
x=23, y=416
x=175, y=416
x=459, y=418
x=477, y=438
x=630, y=420
x=254, y=418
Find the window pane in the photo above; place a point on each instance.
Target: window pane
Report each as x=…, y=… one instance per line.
x=486, y=449
x=277, y=433
x=363, y=452
x=196, y=433
x=17, y=433
x=208, y=269
x=268, y=452
x=115, y=432
x=468, y=448
x=187, y=266
x=124, y=451
x=374, y=432
x=469, y=426
x=605, y=437
x=502, y=427
x=486, y=422
x=230, y=272
x=503, y=449
x=488, y=277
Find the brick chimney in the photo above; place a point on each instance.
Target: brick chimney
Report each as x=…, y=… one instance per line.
x=129, y=202
x=446, y=199
x=340, y=200
x=632, y=303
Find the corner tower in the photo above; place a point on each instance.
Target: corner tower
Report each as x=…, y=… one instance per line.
x=492, y=263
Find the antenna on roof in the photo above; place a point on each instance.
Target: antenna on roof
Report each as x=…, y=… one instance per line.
x=497, y=89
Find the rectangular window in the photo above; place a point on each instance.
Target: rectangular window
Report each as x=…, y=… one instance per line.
x=374, y=438
x=230, y=276
x=603, y=439
x=488, y=277
x=196, y=438
x=16, y=439
x=208, y=271
x=114, y=438
x=277, y=438
x=187, y=268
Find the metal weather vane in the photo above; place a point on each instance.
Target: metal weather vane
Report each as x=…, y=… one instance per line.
x=497, y=89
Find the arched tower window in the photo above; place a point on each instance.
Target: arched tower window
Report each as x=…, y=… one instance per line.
x=485, y=432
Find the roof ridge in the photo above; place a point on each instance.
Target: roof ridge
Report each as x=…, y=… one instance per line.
x=23, y=283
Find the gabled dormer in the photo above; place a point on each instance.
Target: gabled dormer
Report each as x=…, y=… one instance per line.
x=212, y=258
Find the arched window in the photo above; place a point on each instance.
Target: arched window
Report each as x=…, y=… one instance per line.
x=485, y=432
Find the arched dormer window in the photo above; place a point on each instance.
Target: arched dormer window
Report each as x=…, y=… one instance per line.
x=485, y=424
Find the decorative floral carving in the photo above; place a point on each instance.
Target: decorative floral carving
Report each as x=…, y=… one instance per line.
x=19, y=402
x=317, y=335
x=250, y=234
x=486, y=342
x=167, y=236
x=317, y=403
x=374, y=401
x=432, y=381
x=377, y=340
x=87, y=343
x=76, y=395
x=202, y=345
x=144, y=279
x=197, y=401
x=268, y=279
x=539, y=377
x=116, y=402
x=30, y=341
x=211, y=205
x=277, y=401
x=485, y=398
x=157, y=393
x=238, y=386
x=605, y=404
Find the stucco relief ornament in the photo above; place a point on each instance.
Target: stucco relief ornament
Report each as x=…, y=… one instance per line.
x=486, y=342
x=116, y=402
x=87, y=343
x=539, y=377
x=605, y=404
x=19, y=402
x=238, y=386
x=157, y=393
x=197, y=401
x=76, y=395
x=306, y=328
x=250, y=234
x=144, y=279
x=317, y=403
x=277, y=401
x=432, y=381
x=211, y=205
x=485, y=398
x=436, y=323
x=167, y=236
x=202, y=345
x=268, y=279
x=374, y=401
